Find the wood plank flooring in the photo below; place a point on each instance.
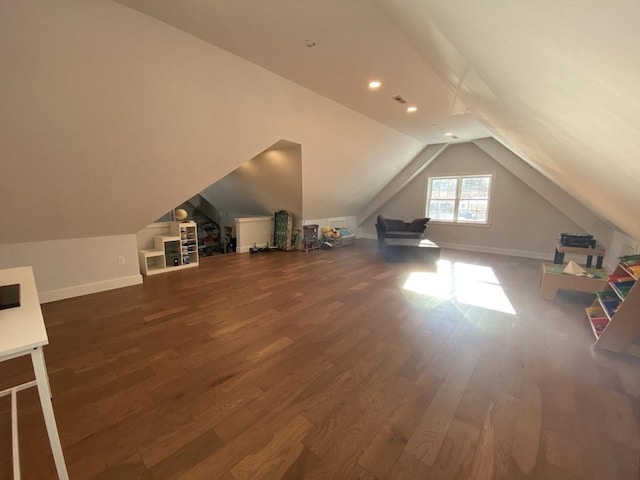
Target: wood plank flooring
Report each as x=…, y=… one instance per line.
x=330, y=365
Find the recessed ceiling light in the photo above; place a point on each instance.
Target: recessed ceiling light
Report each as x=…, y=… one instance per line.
x=449, y=134
x=375, y=85
x=411, y=109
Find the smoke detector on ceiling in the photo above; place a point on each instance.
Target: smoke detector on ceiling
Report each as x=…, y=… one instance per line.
x=399, y=99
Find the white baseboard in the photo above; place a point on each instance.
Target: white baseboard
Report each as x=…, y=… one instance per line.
x=498, y=251
x=581, y=259
x=247, y=248
x=88, y=288
x=548, y=256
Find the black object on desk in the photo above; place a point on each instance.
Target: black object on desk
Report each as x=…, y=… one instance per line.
x=9, y=296
x=577, y=240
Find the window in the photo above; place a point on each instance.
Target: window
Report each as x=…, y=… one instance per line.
x=459, y=199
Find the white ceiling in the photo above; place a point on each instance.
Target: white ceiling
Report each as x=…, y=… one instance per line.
x=556, y=82
x=356, y=42
x=102, y=105
x=119, y=117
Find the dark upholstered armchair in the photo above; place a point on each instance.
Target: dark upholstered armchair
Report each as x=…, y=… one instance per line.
x=390, y=228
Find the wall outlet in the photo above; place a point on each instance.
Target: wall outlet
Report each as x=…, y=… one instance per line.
x=121, y=261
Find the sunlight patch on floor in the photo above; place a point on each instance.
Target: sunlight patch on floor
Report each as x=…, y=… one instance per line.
x=466, y=283
x=426, y=283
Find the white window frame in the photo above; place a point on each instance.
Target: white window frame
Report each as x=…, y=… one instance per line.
x=456, y=220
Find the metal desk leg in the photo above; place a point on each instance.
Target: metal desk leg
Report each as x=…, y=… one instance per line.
x=599, y=261
x=589, y=260
x=558, y=258
x=44, y=392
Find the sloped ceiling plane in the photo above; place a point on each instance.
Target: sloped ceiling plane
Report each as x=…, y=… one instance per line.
x=105, y=103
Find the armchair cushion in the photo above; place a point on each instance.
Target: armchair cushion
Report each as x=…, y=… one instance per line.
x=395, y=225
x=418, y=225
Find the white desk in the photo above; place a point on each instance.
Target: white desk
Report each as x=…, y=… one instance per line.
x=22, y=332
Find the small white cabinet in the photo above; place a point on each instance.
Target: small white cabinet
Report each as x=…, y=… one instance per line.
x=175, y=251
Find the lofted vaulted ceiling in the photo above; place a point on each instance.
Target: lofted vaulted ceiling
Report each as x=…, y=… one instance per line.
x=556, y=82
x=113, y=112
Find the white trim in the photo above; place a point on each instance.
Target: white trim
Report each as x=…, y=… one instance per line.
x=338, y=222
x=88, y=288
x=252, y=219
x=159, y=225
x=608, y=268
x=503, y=251
x=483, y=249
x=498, y=251
x=459, y=224
x=15, y=441
x=459, y=177
x=260, y=248
x=548, y=256
x=345, y=221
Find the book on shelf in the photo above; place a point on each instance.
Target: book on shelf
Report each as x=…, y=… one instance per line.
x=635, y=269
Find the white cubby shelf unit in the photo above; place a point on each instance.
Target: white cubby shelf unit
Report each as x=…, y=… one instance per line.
x=171, y=252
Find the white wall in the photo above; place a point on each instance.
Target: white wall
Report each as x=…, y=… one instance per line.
x=404, y=178
x=259, y=230
x=252, y=231
x=267, y=183
x=349, y=221
x=522, y=222
x=70, y=268
x=558, y=197
x=110, y=118
x=123, y=117
x=620, y=245
x=145, y=237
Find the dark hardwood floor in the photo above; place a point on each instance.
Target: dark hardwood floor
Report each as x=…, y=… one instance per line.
x=330, y=364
